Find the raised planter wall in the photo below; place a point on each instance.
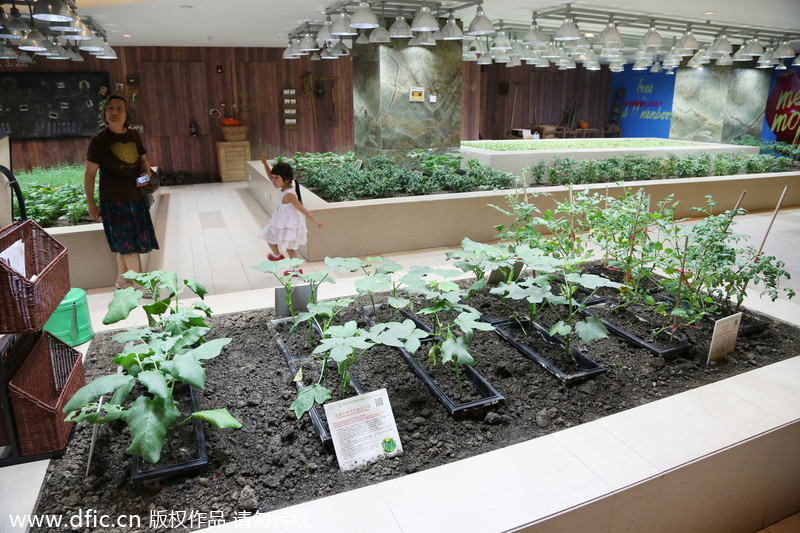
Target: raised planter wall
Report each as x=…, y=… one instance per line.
x=91, y=264
x=370, y=227
x=516, y=161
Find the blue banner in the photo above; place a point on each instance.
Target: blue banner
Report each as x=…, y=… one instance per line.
x=647, y=102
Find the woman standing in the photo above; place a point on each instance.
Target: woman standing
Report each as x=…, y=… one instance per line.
x=119, y=154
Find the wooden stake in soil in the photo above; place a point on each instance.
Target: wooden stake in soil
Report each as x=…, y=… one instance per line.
x=769, y=228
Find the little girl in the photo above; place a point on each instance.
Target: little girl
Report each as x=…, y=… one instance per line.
x=287, y=227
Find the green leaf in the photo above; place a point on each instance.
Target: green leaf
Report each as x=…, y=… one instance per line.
x=591, y=328
x=374, y=283
x=345, y=264
x=196, y=288
x=398, y=303
x=148, y=420
x=219, y=418
x=155, y=382
x=122, y=393
x=92, y=391
x=209, y=349
x=470, y=320
x=591, y=281
x=187, y=369
x=457, y=350
x=561, y=328
x=159, y=307
x=306, y=396
x=122, y=303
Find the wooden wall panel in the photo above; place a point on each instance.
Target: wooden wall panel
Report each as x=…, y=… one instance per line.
x=542, y=95
x=471, y=101
x=178, y=84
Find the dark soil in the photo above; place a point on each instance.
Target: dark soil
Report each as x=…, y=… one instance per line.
x=275, y=461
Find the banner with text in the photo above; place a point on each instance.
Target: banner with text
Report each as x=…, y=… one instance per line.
x=647, y=106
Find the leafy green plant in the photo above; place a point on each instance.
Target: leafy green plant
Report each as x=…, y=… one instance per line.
x=155, y=359
x=570, y=145
x=54, y=195
x=284, y=272
x=447, y=312
x=481, y=259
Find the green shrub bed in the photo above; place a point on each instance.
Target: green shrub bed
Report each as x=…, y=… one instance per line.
x=566, y=171
x=339, y=178
x=54, y=196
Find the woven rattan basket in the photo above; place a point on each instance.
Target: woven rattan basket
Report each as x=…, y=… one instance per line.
x=26, y=302
x=49, y=377
x=234, y=133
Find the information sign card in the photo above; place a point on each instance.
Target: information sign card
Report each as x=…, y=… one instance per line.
x=363, y=429
x=726, y=331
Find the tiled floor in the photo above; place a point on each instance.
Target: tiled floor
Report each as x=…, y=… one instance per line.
x=211, y=238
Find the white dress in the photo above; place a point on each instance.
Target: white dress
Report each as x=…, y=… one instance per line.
x=287, y=227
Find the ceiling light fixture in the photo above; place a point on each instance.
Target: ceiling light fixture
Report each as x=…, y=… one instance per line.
x=534, y=35
x=400, y=29
x=424, y=21
x=364, y=18
x=451, y=31
x=568, y=31
x=51, y=11
x=480, y=25
x=342, y=26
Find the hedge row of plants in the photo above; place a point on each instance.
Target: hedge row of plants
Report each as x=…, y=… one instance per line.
x=339, y=178
x=54, y=196
x=566, y=145
x=771, y=147
x=567, y=171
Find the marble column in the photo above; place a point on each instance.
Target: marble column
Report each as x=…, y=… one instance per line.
x=386, y=121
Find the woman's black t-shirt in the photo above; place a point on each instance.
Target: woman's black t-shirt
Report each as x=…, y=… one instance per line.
x=120, y=158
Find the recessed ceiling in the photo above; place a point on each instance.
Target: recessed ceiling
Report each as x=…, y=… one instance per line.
x=268, y=22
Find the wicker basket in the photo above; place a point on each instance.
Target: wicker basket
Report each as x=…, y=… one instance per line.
x=42, y=386
x=234, y=133
x=26, y=305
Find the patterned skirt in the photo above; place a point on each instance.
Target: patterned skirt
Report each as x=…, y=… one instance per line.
x=128, y=227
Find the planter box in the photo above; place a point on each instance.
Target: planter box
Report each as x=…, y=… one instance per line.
x=445, y=219
x=588, y=368
x=141, y=473
x=91, y=263
x=490, y=397
x=517, y=160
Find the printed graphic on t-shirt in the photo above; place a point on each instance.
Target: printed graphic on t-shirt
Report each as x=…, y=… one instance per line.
x=125, y=152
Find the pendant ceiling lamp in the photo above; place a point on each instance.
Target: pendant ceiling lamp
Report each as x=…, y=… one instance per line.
x=753, y=47
x=51, y=11
x=688, y=43
x=342, y=27
x=33, y=41
x=400, y=29
x=424, y=21
x=784, y=50
x=501, y=41
x=379, y=34
x=610, y=36
x=480, y=25
x=308, y=44
x=534, y=35
x=721, y=45
x=71, y=26
x=14, y=27
x=7, y=52
x=426, y=39
x=324, y=33
x=362, y=38
x=651, y=40
x=364, y=18
x=451, y=31
x=568, y=31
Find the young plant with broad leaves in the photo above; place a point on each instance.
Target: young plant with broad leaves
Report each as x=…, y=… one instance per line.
x=448, y=314
x=171, y=351
x=483, y=259
x=285, y=271
x=345, y=345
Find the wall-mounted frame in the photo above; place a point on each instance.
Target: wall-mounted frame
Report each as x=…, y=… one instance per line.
x=289, y=108
x=416, y=94
x=133, y=80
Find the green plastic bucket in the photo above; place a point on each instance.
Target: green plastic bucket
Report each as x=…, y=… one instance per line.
x=70, y=322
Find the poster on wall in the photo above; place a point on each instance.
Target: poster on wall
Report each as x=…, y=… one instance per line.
x=51, y=105
x=782, y=113
x=647, y=107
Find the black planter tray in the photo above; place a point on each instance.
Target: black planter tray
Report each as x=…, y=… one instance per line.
x=607, y=272
x=589, y=368
x=677, y=347
x=180, y=469
x=315, y=413
x=490, y=397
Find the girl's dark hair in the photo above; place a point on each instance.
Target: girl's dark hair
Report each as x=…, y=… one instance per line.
x=284, y=170
x=108, y=101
